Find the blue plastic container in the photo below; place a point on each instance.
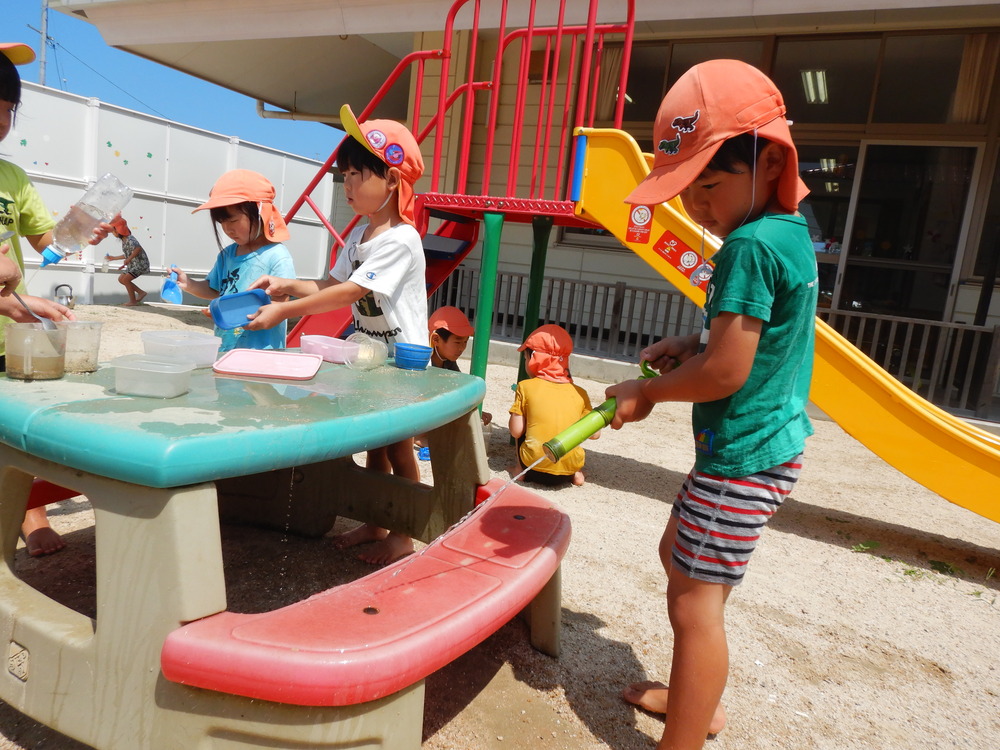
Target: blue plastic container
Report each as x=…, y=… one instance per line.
x=231, y=310
x=412, y=356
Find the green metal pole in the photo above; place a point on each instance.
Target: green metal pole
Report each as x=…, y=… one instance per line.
x=541, y=227
x=493, y=228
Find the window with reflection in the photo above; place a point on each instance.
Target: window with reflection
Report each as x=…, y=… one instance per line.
x=655, y=67
x=827, y=80
x=828, y=171
x=936, y=78
x=907, y=222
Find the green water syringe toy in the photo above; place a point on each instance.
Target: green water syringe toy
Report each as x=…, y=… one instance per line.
x=557, y=447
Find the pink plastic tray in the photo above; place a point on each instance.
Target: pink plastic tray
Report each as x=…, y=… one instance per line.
x=267, y=363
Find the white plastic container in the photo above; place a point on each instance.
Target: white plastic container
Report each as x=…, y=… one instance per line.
x=186, y=346
x=155, y=377
x=330, y=349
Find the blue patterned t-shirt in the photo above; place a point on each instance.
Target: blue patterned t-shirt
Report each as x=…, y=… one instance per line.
x=235, y=273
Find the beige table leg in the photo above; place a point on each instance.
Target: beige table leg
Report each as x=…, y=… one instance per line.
x=159, y=564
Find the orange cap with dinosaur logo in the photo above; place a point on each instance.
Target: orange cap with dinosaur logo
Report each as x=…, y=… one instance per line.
x=711, y=103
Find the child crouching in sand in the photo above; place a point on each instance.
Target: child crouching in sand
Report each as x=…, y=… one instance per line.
x=545, y=404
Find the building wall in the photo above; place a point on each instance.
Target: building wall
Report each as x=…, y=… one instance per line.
x=64, y=142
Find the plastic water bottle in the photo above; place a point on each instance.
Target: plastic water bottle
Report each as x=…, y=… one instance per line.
x=103, y=200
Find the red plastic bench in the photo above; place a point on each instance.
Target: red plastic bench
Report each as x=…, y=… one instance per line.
x=379, y=634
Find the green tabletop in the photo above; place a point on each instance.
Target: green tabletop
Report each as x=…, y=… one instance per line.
x=226, y=426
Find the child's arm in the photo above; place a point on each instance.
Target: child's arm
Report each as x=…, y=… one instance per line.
x=276, y=286
x=716, y=373
x=333, y=297
x=41, y=306
x=197, y=288
x=667, y=353
x=39, y=241
x=10, y=273
x=516, y=425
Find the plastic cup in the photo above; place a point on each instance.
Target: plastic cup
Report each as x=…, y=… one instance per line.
x=34, y=353
x=371, y=353
x=83, y=344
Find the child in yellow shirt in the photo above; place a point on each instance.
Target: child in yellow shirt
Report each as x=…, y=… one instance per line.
x=545, y=404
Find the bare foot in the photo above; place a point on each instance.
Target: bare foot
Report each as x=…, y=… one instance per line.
x=360, y=535
x=140, y=296
x=388, y=550
x=40, y=538
x=651, y=695
x=578, y=479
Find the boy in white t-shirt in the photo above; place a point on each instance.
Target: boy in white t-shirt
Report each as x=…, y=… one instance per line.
x=379, y=272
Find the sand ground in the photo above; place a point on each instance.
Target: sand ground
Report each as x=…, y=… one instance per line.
x=869, y=617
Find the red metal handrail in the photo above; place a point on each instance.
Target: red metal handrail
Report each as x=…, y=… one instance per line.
x=587, y=45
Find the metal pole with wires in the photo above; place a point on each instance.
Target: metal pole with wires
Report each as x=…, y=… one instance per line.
x=44, y=42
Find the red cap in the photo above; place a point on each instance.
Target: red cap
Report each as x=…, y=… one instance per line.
x=121, y=226
x=711, y=103
x=450, y=319
x=551, y=345
x=394, y=144
x=246, y=186
x=17, y=52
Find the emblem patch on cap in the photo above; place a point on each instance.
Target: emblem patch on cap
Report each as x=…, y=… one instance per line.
x=376, y=138
x=686, y=124
x=394, y=154
x=682, y=125
x=671, y=147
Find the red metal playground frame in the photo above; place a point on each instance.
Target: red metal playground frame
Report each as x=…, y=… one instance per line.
x=563, y=91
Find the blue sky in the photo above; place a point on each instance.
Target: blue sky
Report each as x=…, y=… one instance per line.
x=78, y=61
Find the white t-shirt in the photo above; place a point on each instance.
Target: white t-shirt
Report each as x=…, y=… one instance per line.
x=391, y=266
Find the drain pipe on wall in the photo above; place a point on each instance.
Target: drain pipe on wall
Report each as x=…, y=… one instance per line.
x=276, y=114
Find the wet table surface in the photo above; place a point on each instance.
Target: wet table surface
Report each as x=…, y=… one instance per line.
x=225, y=426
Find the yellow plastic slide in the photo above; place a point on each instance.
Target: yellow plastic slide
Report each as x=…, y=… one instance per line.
x=945, y=454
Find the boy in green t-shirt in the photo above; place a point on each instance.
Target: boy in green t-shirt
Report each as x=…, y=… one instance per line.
x=725, y=148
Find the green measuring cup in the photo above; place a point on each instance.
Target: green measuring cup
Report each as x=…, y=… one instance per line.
x=557, y=447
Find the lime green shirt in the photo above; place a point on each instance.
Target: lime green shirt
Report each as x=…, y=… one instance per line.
x=21, y=211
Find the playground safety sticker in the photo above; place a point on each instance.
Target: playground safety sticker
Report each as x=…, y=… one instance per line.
x=640, y=221
x=680, y=256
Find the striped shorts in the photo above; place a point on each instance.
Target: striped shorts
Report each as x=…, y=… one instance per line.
x=720, y=519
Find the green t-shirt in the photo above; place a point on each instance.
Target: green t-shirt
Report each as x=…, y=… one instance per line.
x=765, y=269
x=21, y=210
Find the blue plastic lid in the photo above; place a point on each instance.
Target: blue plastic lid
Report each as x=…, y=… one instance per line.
x=231, y=310
x=50, y=256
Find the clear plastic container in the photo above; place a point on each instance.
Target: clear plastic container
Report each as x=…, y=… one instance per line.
x=103, y=201
x=187, y=346
x=154, y=377
x=330, y=349
x=34, y=353
x=83, y=344
x=371, y=352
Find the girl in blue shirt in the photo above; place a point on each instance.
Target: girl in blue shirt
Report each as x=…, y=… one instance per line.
x=242, y=204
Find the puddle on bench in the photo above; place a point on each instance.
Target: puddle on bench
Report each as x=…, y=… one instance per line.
x=386, y=584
